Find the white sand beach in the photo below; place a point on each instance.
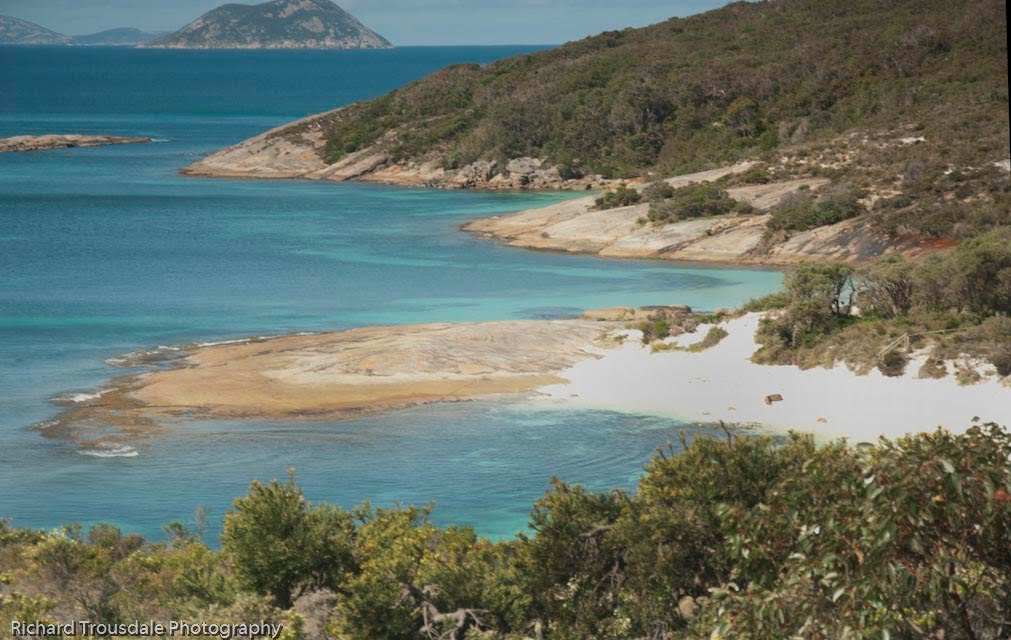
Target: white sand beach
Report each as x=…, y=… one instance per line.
x=722, y=383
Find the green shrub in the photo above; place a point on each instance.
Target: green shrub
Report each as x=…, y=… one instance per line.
x=694, y=201
x=743, y=537
x=282, y=545
x=657, y=191
x=620, y=197
x=803, y=211
x=655, y=329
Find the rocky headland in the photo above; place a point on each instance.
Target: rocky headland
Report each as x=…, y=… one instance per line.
x=297, y=151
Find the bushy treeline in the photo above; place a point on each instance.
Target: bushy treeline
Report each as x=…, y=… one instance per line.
x=957, y=304
x=748, y=538
x=711, y=88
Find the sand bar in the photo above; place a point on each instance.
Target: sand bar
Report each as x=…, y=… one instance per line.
x=338, y=374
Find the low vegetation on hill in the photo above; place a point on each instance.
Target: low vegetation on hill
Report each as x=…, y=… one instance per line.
x=749, y=538
x=712, y=88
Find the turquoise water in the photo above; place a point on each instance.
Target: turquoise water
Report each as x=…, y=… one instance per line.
x=107, y=250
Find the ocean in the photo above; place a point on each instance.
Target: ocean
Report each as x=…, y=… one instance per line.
x=108, y=250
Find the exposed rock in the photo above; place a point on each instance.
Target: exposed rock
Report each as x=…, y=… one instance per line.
x=575, y=226
x=475, y=173
x=688, y=608
x=611, y=314
x=523, y=166
x=342, y=374
x=351, y=167
x=626, y=314
x=62, y=141
x=663, y=311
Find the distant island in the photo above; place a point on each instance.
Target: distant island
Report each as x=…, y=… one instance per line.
x=62, y=141
x=14, y=31
x=279, y=24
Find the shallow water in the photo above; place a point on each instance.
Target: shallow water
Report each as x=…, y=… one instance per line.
x=107, y=250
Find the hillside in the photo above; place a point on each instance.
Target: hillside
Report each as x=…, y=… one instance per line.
x=279, y=24
x=904, y=100
x=15, y=31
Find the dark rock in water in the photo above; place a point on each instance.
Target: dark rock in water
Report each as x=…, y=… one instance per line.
x=59, y=141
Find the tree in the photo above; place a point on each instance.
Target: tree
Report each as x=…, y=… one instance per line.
x=888, y=288
x=821, y=295
x=282, y=545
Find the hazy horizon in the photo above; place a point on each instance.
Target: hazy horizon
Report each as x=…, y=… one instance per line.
x=404, y=22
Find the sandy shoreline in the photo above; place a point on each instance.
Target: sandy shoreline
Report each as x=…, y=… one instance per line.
x=573, y=363
x=722, y=384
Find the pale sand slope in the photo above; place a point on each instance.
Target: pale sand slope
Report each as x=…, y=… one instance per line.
x=62, y=141
x=573, y=226
x=722, y=383
x=337, y=374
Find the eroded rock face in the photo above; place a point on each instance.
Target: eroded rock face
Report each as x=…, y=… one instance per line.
x=474, y=174
x=524, y=166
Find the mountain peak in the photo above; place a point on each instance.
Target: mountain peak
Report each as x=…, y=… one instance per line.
x=278, y=24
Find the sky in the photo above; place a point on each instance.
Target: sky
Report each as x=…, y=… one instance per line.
x=405, y=22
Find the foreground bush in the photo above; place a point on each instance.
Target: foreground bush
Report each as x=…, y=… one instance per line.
x=752, y=538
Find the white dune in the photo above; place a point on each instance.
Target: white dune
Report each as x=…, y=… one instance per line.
x=722, y=383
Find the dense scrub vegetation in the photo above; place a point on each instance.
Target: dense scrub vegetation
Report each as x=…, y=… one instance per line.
x=691, y=201
x=712, y=88
x=955, y=305
x=749, y=538
x=620, y=197
x=803, y=210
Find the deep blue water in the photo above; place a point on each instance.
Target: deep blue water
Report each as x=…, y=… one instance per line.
x=107, y=250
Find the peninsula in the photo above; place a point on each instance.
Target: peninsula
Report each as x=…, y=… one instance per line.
x=63, y=141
